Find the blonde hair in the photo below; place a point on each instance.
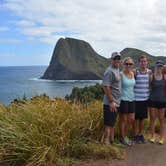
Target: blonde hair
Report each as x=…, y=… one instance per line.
x=126, y=59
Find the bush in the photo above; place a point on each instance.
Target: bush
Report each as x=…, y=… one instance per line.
x=42, y=131
x=86, y=94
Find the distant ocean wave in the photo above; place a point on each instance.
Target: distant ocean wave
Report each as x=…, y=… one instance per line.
x=40, y=80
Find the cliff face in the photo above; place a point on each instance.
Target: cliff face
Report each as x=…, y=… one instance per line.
x=75, y=59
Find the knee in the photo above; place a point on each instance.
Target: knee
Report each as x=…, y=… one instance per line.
x=161, y=120
x=131, y=120
x=152, y=117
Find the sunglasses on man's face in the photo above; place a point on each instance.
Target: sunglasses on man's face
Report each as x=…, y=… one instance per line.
x=128, y=64
x=117, y=58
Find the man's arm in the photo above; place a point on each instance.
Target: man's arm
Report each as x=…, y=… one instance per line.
x=108, y=93
x=150, y=76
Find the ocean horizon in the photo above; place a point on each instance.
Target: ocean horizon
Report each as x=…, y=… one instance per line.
x=19, y=81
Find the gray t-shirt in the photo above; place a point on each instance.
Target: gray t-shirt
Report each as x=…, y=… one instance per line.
x=112, y=79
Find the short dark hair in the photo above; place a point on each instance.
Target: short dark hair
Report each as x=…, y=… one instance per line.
x=142, y=57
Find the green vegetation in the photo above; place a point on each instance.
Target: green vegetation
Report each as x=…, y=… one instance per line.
x=43, y=131
x=86, y=94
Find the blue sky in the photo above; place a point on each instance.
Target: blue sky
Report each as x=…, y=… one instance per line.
x=30, y=29
x=16, y=48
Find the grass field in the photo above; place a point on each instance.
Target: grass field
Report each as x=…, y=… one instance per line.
x=41, y=131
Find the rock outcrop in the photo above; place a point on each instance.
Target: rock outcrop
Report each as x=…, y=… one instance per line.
x=75, y=59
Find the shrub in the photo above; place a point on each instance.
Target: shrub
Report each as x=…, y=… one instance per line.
x=86, y=94
x=42, y=131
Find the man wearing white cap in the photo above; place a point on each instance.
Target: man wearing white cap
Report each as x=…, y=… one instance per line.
x=112, y=89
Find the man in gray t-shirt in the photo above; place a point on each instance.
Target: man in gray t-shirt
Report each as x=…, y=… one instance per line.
x=112, y=89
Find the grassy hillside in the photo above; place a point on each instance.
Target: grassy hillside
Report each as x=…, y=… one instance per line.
x=42, y=131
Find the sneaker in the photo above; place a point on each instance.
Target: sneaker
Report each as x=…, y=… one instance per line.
x=123, y=142
x=161, y=141
x=142, y=139
x=137, y=139
x=152, y=140
x=128, y=141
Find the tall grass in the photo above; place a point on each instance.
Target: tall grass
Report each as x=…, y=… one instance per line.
x=42, y=131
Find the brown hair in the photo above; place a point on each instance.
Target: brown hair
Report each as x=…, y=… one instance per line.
x=142, y=57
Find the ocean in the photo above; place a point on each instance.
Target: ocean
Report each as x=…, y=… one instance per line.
x=20, y=81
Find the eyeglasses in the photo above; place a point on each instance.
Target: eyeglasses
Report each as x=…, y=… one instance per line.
x=128, y=64
x=117, y=58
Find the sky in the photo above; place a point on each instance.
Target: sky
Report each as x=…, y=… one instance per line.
x=30, y=29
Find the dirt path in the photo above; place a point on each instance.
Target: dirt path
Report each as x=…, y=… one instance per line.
x=139, y=155
x=146, y=154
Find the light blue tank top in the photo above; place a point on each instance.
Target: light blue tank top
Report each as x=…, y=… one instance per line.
x=128, y=88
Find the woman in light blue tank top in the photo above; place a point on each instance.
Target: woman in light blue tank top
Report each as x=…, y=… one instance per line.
x=127, y=107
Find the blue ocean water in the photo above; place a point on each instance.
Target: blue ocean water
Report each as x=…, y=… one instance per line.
x=15, y=82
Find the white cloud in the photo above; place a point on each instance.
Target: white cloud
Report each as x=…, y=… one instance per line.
x=108, y=25
x=25, y=23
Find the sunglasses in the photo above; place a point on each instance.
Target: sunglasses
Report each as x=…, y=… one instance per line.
x=128, y=64
x=117, y=58
x=159, y=65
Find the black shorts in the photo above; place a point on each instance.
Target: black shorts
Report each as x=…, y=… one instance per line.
x=109, y=116
x=157, y=104
x=141, y=110
x=127, y=107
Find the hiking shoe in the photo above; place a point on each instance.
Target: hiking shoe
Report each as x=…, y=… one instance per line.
x=161, y=141
x=142, y=139
x=152, y=140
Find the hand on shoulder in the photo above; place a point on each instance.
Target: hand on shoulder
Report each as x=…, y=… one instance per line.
x=150, y=72
x=164, y=76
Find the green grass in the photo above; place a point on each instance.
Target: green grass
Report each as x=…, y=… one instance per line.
x=42, y=131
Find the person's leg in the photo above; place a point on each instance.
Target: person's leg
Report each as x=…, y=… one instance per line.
x=161, y=120
x=140, y=126
x=130, y=121
x=107, y=135
x=136, y=122
x=152, y=113
x=130, y=116
x=122, y=124
x=129, y=124
x=143, y=116
x=136, y=128
x=109, y=122
x=112, y=133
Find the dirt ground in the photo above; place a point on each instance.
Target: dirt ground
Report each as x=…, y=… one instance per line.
x=138, y=155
